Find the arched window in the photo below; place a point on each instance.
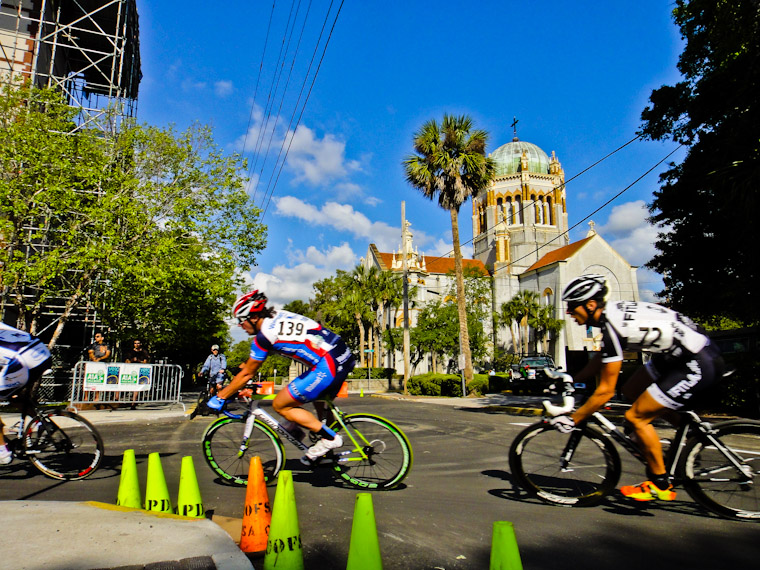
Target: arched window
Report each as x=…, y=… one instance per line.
x=518, y=215
x=550, y=217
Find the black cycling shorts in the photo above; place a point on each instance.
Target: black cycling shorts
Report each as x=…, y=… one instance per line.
x=677, y=381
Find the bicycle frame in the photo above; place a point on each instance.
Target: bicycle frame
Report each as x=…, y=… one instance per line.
x=254, y=411
x=692, y=424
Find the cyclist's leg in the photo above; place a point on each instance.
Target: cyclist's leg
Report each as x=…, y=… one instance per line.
x=291, y=409
x=640, y=415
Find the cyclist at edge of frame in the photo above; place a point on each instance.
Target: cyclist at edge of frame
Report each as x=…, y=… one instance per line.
x=23, y=359
x=683, y=363
x=304, y=340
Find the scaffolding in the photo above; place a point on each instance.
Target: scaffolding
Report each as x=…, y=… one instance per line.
x=89, y=49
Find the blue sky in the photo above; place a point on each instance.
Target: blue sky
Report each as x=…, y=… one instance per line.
x=575, y=74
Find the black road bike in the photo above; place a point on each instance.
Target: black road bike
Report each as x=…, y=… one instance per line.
x=61, y=444
x=717, y=464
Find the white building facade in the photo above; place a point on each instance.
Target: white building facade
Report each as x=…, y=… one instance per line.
x=520, y=239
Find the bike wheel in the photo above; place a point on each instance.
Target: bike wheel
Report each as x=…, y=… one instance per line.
x=222, y=444
x=375, y=454
x=63, y=445
x=536, y=461
x=714, y=482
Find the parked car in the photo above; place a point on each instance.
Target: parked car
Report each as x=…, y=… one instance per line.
x=532, y=368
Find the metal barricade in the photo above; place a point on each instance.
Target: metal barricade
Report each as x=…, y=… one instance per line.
x=165, y=387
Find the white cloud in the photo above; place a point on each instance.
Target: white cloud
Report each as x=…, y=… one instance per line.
x=223, y=88
x=288, y=283
x=626, y=217
x=189, y=85
x=343, y=217
x=650, y=283
x=318, y=161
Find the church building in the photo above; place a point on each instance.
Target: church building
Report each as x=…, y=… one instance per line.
x=520, y=238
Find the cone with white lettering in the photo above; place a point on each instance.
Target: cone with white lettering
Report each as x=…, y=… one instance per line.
x=189, y=502
x=129, y=486
x=257, y=512
x=364, y=548
x=156, y=491
x=504, y=552
x=284, y=551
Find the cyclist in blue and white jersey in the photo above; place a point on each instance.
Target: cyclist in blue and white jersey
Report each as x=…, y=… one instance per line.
x=683, y=363
x=23, y=358
x=328, y=358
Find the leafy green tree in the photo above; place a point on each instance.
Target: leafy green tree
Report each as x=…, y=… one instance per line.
x=50, y=193
x=708, y=204
x=237, y=355
x=148, y=225
x=300, y=307
x=450, y=163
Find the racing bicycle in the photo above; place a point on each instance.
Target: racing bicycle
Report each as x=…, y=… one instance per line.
x=717, y=464
x=376, y=455
x=61, y=444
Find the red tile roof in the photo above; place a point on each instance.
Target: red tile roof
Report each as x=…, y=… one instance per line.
x=560, y=254
x=441, y=265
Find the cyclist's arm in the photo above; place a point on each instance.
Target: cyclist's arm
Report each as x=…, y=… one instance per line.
x=591, y=370
x=604, y=391
x=247, y=371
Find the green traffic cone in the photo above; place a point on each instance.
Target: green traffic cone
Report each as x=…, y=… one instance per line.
x=189, y=502
x=284, y=550
x=504, y=552
x=156, y=492
x=129, y=486
x=364, y=549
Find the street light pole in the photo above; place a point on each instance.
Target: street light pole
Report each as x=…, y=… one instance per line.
x=405, y=282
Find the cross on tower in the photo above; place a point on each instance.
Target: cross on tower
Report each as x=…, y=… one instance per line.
x=514, y=126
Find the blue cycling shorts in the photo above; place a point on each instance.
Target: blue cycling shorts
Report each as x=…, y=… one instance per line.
x=325, y=378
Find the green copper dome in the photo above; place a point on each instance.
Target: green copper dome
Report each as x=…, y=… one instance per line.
x=508, y=156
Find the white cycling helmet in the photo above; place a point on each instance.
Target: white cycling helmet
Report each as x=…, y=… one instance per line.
x=585, y=288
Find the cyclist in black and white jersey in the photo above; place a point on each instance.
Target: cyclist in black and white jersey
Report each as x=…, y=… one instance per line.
x=23, y=358
x=683, y=363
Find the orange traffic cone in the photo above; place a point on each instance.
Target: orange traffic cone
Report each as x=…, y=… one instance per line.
x=257, y=512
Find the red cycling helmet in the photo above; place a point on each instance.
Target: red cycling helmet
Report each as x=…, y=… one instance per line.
x=249, y=304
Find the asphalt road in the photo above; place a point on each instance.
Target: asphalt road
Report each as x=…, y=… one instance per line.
x=442, y=517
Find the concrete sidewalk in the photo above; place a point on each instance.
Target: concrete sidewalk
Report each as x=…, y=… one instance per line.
x=60, y=535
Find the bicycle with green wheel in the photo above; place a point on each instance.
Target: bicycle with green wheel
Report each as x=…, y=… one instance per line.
x=376, y=455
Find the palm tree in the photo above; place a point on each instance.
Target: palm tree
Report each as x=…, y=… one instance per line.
x=451, y=163
x=353, y=304
x=543, y=322
x=527, y=302
x=510, y=313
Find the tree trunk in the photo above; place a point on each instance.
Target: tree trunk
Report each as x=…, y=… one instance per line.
x=361, y=340
x=464, y=335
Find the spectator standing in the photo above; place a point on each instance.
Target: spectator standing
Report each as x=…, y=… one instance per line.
x=137, y=354
x=98, y=351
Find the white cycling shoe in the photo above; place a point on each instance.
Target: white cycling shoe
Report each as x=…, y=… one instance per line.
x=320, y=448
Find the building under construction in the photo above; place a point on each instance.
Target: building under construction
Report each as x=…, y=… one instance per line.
x=90, y=51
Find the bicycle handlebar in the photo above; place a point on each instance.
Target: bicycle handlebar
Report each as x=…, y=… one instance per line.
x=568, y=400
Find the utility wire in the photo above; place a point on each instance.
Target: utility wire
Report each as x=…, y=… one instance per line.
x=311, y=87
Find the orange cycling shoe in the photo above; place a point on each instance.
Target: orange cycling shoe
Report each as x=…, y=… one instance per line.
x=648, y=491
